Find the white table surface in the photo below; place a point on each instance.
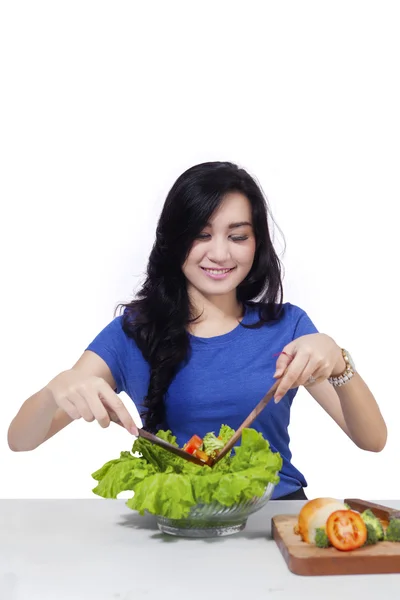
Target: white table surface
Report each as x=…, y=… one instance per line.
x=99, y=549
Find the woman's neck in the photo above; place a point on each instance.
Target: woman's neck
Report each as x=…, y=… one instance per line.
x=217, y=315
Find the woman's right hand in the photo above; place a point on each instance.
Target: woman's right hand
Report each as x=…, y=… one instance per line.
x=90, y=398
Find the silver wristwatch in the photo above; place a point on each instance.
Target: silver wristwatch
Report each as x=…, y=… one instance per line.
x=347, y=374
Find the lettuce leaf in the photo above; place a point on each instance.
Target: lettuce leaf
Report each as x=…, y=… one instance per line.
x=101, y=473
x=166, y=494
x=169, y=486
x=225, y=433
x=123, y=475
x=254, y=451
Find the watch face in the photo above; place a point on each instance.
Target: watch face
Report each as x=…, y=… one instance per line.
x=351, y=361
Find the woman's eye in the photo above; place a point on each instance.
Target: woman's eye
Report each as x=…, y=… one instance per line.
x=234, y=238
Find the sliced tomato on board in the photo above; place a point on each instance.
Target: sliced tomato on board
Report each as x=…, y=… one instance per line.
x=346, y=530
x=193, y=444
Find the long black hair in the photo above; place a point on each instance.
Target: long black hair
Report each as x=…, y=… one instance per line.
x=157, y=319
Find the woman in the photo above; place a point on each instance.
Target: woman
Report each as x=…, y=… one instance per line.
x=207, y=335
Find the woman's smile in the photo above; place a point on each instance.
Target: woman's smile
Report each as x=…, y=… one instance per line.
x=217, y=273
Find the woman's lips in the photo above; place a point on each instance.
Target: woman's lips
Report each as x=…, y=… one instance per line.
x=217, y=273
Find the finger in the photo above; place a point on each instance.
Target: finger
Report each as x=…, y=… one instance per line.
x=310, y=370
x=323, y=371
x=318, y=376
x=69, y=408
x=291, y=375
x=315, y=374
x=98, y=409
x=80, y=403
x=114, y=418
x=113, y=401
x=284, y=360
x=318, y=369
x=314, y=382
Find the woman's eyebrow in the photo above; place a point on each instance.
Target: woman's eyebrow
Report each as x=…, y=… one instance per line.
x=240, y=224
x=234, y=225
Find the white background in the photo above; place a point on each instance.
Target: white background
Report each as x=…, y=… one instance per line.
x=104, y=104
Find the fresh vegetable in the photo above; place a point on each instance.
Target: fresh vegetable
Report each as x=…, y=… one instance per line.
x=195, y=443
x=346, y=526
x=393, y=530
x=168, y=485
x=346, y=530
x=202, y=455
x=372, y=537
x=321, y=538
x=314, y=515
x=372, y=520
x=212, y=444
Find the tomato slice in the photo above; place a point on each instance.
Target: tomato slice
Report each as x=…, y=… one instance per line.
x=193, y=444
x=346, y=530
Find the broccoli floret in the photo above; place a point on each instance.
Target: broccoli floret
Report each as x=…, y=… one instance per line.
x=393, y=530
x=211, y=444
x=369, y=514
x=372, y=537
x=321, y=538
x=370, y=519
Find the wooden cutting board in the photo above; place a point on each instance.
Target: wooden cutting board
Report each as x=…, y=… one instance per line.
x=307, y=559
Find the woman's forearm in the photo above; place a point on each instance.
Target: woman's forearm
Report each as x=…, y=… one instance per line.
x=33, y=421
x=362, y=415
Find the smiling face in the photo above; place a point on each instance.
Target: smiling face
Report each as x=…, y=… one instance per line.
x=223, y=253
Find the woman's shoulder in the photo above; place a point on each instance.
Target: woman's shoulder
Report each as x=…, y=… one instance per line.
x=114, y=327
x=115, y=332
x=292, y=320
x=277, y=312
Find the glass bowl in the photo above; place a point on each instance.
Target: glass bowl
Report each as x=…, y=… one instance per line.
x=213, y=520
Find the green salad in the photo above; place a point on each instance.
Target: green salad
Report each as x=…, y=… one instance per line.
x=167, y=485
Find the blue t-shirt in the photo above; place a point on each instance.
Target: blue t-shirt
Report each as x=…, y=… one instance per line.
x=223, y=381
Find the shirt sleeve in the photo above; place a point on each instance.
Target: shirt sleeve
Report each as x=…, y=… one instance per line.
x=111, y=345
x=303, y=325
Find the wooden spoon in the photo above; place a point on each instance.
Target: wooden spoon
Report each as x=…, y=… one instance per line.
x=211, y=462
x=248, y=421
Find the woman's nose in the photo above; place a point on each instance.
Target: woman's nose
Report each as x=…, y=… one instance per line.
x=218, y=251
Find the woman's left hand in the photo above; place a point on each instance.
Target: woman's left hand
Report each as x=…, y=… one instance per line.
x=307, y=360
